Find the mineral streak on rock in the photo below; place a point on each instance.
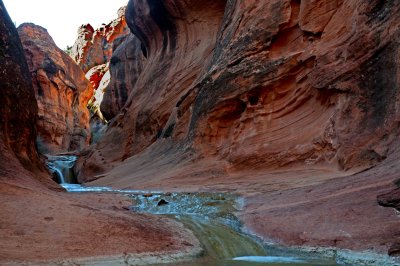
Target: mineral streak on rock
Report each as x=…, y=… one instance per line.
x=61, y=90
x=94, y=47
x=260, y=84
x=18, y=108
x=125, y=68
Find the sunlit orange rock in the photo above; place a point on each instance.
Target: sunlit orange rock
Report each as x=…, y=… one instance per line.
x=62, y=93
x=99, y=77
x=95, y=74
x=94, y=47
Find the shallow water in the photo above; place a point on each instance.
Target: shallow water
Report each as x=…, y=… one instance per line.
x=210, y=216
x=62, y=168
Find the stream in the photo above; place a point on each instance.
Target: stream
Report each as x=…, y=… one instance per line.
x=210, y=216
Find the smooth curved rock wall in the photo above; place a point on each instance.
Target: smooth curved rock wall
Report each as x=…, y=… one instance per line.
x=18, y=108
x=258, y=84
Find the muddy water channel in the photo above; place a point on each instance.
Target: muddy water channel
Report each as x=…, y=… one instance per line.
x=211, y=216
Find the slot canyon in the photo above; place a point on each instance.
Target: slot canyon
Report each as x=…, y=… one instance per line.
x=204, y=132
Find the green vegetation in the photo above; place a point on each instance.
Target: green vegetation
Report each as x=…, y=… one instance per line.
x=68, y=50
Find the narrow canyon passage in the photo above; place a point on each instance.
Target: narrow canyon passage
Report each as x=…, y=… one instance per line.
x=210, y=216
x=200, y=132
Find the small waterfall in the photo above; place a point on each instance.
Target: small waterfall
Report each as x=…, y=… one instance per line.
x=62, y=168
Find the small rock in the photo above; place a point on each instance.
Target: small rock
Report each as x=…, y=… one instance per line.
x=162, y=202
x=394, y=250
x=390, y=199
x=147, y=195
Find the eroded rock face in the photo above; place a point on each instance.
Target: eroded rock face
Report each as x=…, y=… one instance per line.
x=125, y=68
x=99, y=78
x=264, y=85
x=158, y=72
x=300, y=91
x=94, y=47
x=284, y=91
x=390, y=199
x=17, y=117
x=62, y=93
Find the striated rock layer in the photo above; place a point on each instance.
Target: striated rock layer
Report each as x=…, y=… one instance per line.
x=40, y=224
x=170, y=65
x=281, y=100
x=62, y=93
x=259, y=84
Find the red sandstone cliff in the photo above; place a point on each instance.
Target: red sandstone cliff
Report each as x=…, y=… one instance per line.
x=125, y=68
x=61, y=90
x=92, y=51
x=282, y=100
x=260, y=84
x=17, y=118
x=94, y=47
x=40, y=224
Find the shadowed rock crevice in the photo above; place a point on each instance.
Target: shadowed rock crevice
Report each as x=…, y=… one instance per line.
x=125, y=68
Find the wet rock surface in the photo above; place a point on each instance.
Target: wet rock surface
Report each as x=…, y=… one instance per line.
x=394, y=250
x=62, y=93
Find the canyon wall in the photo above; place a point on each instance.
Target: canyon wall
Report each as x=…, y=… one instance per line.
x=294, y=104
x=301, y=82
x=125, y=68
x=17, y=117
x=92, y=51
x=259, y=85
x=61, y=90
x=153, y=69
x=94, y=47
x=40, y=223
